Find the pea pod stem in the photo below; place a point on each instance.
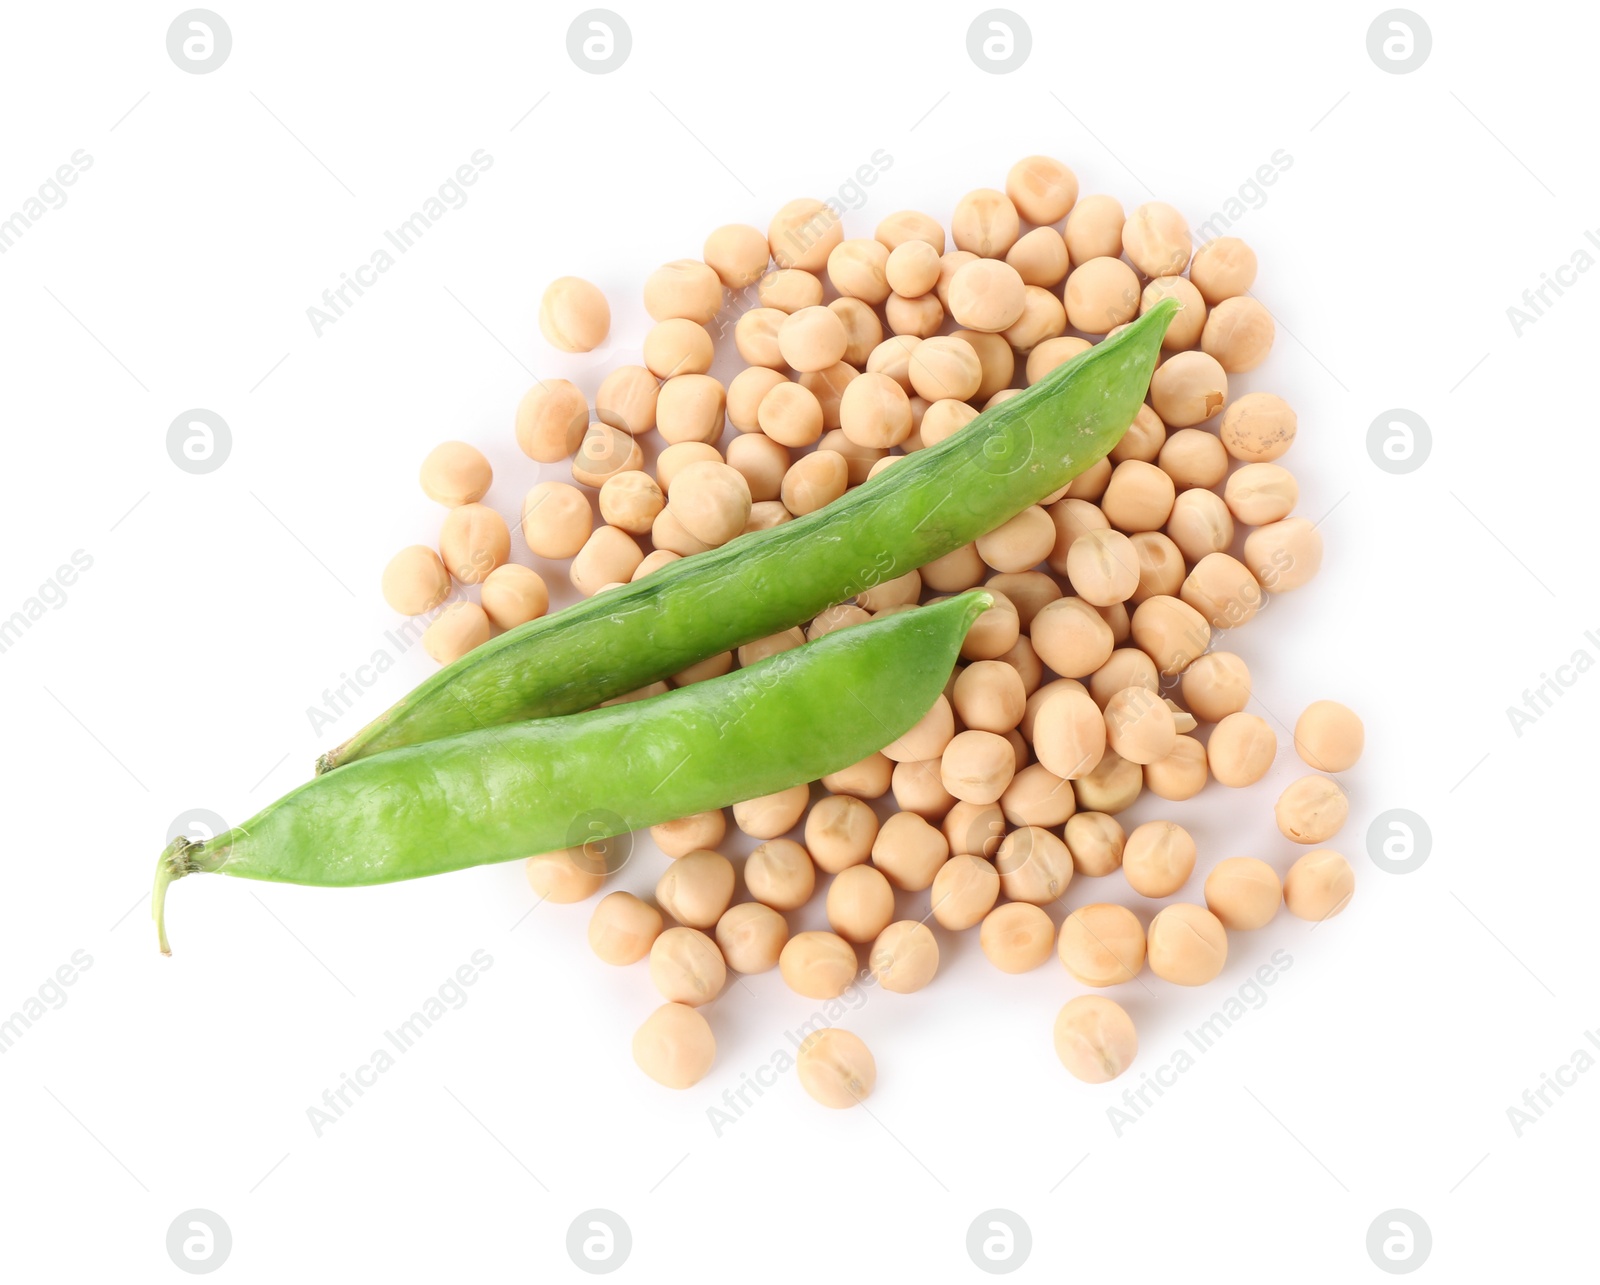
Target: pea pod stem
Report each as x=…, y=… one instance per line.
x=934, y=501
x=503, y=793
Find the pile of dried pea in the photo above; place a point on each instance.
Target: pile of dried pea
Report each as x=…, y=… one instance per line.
x=1082, y=688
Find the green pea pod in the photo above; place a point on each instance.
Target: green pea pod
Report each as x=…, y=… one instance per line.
x=502, y=793
x=935, y=501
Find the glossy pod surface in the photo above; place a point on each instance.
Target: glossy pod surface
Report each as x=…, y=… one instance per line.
x=932, y=502
x=503, y=793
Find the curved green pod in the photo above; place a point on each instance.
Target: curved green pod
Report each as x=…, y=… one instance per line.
x=937, y=500
x=502, y=793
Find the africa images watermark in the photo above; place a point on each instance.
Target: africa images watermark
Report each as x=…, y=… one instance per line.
x=1540, y=700
x=49, y=596
x=51, y=195
x=753, y=1084
x=1538, y=300
x=450, y=995
x=1552, y=1085
x=1138, y=1099
x=339, y=700
x=1250, y=195
x=450, y=195
x=51, y=994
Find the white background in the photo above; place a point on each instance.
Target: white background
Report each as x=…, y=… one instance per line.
x=179, y=670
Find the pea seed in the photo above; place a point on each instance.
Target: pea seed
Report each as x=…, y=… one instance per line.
x=1016, y=937
x=1200, y=523
x=1101, y=294
x=564, y=876
x=918, y=788
x=1051, y=353
x=574, y=315
x=1094, y=229
x=862, y=330
x=1158, y=858
x=1243, y=893
x=1241, y=749
x=818, y=965
x=909, y=851
x=838, y=617
x=1095, y=1039
x=473, y=541
x=623, y=928
x=1261, y=493
x=609, y=556
x=964, y=891
x=1091, y=483
x=812, y=338
x=789, y=639
x=1181, y=775
x=868, y=779
x=1192, y=457
x=711, y=500
x=828, y=386
x=860, y=903
x=1222, y=590
x=985, y=223
x=626, y=399
x=999, y=362
x=1311, y=810
x=556, y=520
x=631, y=501
x=675, y=1046
x=858, y=270
x=1103, y=567
x=803, y=234
x=1329, y=736
x=1282, y=555
x=1216, y=685
x=738, y=254
x=690, y=834
x=780, y=874
x=1222, y=269
x=910, y=225
x=1139, y=726
x=1188, y=945
x=875, y=412
x=1188, y=326
x=697, y=888
x=654, y=561
x=512, y=595
x=836, y=1067
x=977, y=766
x=905, y=957
x=751, y=937
x=683, y=288
x=1258, y=427
x=415, y=581
x=1019, y=543
x=973, y=829
x=711, y=667
x=1102, y=944
x=606, y=450
x=1188, y=388
x=1034, y=865
x=928, y=739
x=1143, y=440
x=1239, y=334
x=987, y=295
x=814, y=481
x=789, y=289
x=455, y=473
x=755, y=334
x=1127, y=667
x=762, y=462
x=958, y=570
x=1071, y=638
x=1043, y=318
x=1156, y=239
x=901, y=591
x=1068, y=734
x=1112, y=787
x=455, y=631
x=686, y=967
x=1319, y=885
x=1171, y=632
x=988, y=696
x=1096, y=842
x=678, y=346
x=1161, y=567
x=691, y=408
x=771, y=815
x=677, y=457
